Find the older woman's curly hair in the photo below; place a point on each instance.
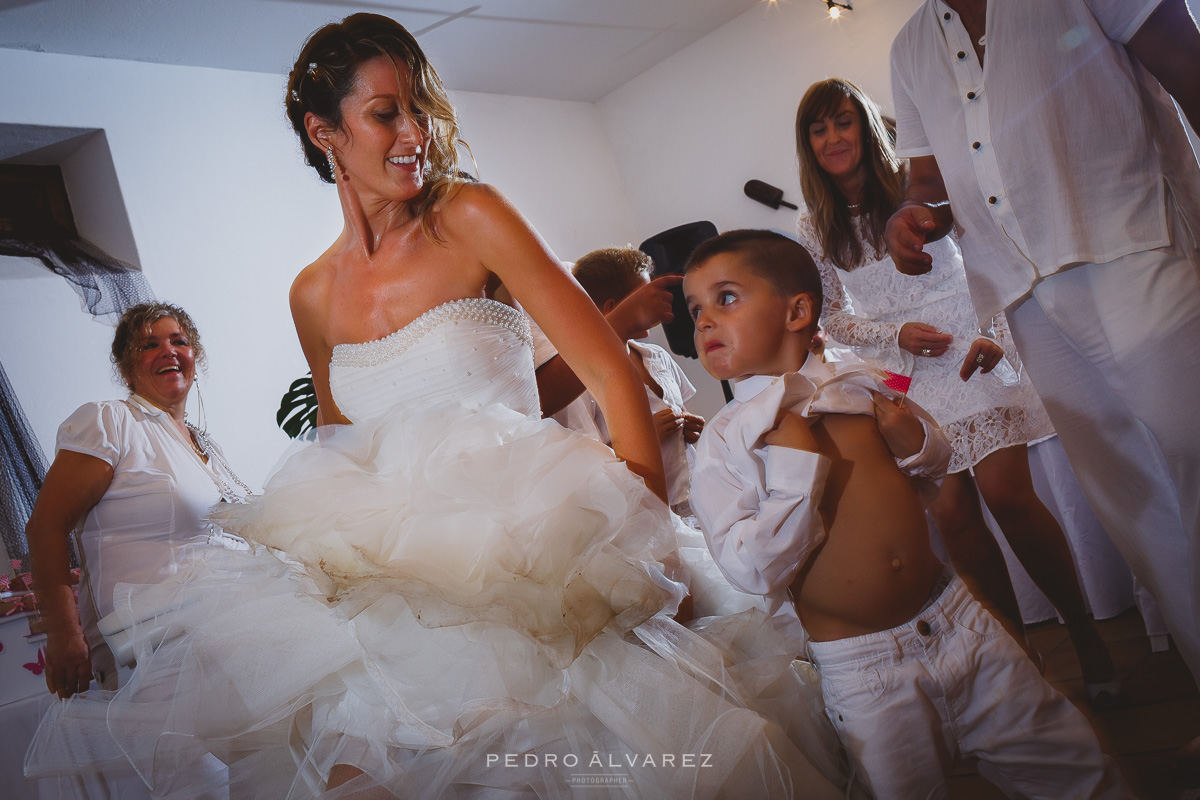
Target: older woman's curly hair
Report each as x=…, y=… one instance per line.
x=134, y=327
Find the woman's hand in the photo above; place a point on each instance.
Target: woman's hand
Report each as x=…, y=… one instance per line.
x=923, y=340
x=693, y=426
x=68, y=665
x=667, y=423
x=899, y=427
x=983, y=356
x=74, y=483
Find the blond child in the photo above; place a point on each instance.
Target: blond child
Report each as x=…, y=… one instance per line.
x=808, y=486
x=609, y=275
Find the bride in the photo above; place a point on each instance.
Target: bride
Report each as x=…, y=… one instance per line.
x=453, y=597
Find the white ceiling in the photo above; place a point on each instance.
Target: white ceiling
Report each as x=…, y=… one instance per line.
x=560, y=49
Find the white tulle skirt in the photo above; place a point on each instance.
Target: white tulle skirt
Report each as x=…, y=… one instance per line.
x=457, y=603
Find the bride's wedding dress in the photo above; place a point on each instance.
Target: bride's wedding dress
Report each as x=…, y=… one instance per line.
x=459, y=599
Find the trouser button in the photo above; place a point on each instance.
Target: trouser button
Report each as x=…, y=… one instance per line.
x=923, y=628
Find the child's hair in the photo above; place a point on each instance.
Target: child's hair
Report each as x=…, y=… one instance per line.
x=611, y=273
x=782, y=261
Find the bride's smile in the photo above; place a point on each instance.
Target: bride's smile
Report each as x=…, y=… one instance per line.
x=383, y=141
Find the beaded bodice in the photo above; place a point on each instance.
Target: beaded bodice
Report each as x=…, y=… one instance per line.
x=472, y=352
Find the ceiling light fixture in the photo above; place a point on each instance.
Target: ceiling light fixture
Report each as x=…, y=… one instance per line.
x=835, y=8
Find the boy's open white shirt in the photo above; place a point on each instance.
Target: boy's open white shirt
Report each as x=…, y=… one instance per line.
x=757, y=504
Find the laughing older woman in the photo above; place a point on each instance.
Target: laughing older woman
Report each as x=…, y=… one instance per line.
x=139, y=477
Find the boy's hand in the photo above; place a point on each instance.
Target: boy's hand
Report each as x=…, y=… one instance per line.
x=644, y=308
x=693, y=425
x=899, y=427
x=667, y=423
x=984, y=356
x=792, y=430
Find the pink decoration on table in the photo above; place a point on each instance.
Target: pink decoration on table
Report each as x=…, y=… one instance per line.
x=5, y=581
x=40, y=666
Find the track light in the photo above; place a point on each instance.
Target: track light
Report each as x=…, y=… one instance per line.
x=835, y=8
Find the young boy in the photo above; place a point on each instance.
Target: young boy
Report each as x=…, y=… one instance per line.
x=608, y=276
x=806, y=486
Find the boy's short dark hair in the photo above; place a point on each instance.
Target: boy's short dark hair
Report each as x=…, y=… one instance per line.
x=782, y=261
x=610, y=273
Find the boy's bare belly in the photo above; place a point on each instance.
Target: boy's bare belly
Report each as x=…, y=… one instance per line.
x=875, y=569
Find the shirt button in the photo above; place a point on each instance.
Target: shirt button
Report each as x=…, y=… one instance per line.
x=970, y=95
x=946, y=16
x=961, y=55
x=975, y=145
x=923, y=628
x=993, y=200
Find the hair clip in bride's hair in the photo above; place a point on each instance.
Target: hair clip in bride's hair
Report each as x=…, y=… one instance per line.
x=312, y=68
x=295, y=96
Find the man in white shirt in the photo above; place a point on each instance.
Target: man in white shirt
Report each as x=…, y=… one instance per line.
x=1043, y=133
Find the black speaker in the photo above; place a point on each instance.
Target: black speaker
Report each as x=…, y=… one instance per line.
x=670, y=251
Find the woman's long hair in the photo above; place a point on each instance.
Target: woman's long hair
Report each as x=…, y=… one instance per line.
x=325, y=73
x=882, y=191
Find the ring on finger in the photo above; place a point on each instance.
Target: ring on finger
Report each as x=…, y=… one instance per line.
x=926, y=352
x=979, y=358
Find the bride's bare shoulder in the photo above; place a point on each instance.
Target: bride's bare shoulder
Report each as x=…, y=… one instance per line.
x=311, y=286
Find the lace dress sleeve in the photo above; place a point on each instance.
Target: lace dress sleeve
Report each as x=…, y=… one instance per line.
x=837, y=314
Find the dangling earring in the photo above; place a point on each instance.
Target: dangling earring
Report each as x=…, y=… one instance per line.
x=202, y=428
x=333, y=165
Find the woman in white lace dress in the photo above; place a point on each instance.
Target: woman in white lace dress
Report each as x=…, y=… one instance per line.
x=924, y=327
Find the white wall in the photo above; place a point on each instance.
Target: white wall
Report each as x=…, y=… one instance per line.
x=223, y=214
x=690, y=132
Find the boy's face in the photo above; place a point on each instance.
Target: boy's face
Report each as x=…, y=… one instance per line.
x=742, y=321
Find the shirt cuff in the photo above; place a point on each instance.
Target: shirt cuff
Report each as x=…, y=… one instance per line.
x=914, y=152
x=933, y=457
x=789, y=468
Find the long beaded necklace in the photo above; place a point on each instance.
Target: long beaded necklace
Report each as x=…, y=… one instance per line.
x=200, y=443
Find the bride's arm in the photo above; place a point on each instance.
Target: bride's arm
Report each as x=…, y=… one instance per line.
x=507, y=245
x=305, y=299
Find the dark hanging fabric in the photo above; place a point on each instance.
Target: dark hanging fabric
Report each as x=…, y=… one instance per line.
x=22, y=468
x=106, y=286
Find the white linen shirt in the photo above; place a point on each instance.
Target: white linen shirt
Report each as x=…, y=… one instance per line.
x=583, y=415
x=758, y=505
x=150, y=521
x=1052, y=151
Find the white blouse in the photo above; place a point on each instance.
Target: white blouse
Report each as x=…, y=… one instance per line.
x=150, y=523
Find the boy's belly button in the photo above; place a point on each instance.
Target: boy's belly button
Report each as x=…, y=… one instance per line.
x=897, y=563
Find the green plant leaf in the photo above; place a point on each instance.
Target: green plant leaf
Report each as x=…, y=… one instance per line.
x=298, y=409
